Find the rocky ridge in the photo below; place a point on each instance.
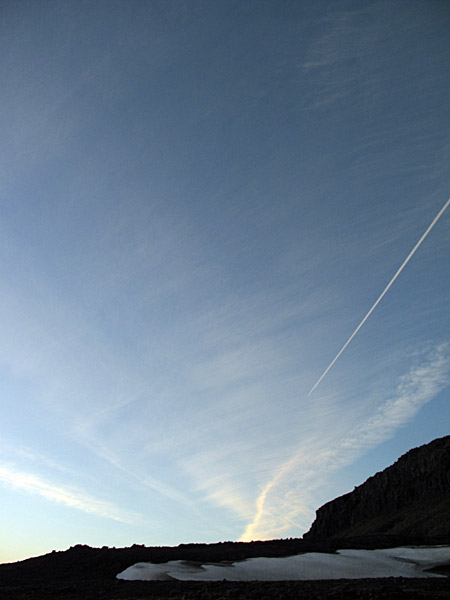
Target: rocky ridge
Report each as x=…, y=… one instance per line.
x=411, y=499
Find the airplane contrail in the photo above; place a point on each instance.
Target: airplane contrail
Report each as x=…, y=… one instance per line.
x=400, y=269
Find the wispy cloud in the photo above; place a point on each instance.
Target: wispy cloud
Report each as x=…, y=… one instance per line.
x=142, y=480
x=20, y=452
x=417, y=387
x=286, y=498
x=340, y=59
x=33, y=484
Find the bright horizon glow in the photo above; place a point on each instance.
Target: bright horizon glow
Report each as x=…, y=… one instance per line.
x=197, y=199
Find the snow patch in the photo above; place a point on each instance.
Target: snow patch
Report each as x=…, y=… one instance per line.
x=344, y=564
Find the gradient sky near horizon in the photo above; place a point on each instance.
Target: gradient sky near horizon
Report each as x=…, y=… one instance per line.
x=200, y=202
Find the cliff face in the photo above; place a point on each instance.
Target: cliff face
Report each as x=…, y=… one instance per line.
x=410, y=498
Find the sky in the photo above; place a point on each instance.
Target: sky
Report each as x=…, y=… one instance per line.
x=200, y=203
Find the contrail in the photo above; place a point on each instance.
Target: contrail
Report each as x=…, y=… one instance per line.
x=402, y=266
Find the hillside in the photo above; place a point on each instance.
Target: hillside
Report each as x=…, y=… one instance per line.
x=411, y=499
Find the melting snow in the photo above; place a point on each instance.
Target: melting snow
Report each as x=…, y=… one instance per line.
x=345, y=564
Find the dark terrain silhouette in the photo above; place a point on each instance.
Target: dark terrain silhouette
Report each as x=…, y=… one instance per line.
x=411, y=498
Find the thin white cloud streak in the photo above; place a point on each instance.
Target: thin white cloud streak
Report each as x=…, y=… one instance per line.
x=386, y=289
x=146, y=481
x=8, y=448
x=73, y=499
x=281, y=501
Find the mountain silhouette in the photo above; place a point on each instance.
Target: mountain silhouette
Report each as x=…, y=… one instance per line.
x=411, y=499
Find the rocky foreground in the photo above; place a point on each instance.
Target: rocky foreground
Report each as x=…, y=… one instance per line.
x=90, y=573
x=370, y=589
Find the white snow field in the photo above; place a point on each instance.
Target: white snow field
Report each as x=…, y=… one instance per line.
x=345, y=564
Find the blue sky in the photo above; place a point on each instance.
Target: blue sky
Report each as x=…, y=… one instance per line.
x=200, y=201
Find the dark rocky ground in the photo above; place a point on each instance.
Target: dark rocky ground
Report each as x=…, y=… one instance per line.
x=83, y=573
x=343, y=589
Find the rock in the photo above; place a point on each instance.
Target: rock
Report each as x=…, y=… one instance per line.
x=410, y=498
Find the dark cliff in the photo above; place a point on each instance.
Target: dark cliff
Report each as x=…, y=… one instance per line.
x=410, y=498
